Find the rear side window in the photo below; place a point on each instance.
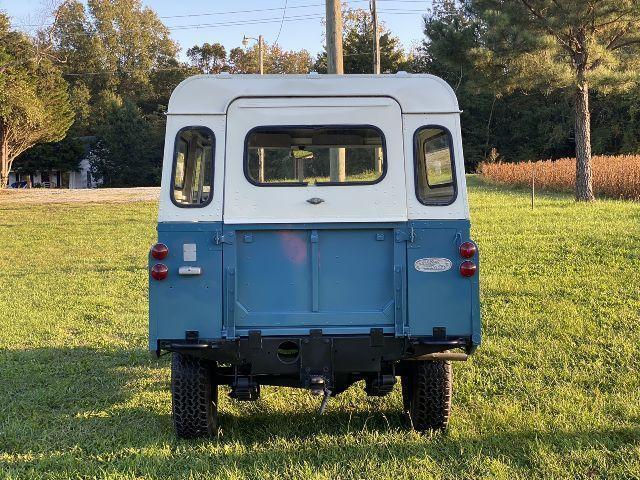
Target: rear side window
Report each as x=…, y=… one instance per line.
x=192, y=179
x=435, y=173
x=326, y=155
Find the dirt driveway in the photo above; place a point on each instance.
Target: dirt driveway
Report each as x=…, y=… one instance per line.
x=40, y=196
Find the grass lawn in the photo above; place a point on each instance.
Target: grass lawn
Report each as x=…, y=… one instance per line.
x=553, y=392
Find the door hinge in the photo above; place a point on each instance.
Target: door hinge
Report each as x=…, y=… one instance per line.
x=227, y=238
x=406, y=236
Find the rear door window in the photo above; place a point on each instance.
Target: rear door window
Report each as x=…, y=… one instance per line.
x=434, y=166
x=192, y=183
x=327, y=155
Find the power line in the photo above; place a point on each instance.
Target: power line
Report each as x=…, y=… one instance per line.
x=256, y=10
x=284, y=13
x=293, y=18
x=233, y=23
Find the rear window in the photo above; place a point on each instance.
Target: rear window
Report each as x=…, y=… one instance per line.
x=435, y=174
x=192, y=184
x=327, y=155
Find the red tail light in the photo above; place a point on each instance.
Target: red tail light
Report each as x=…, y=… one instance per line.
x=468, y=250
x=159, y=251
x=159, y=271
x=468, y=269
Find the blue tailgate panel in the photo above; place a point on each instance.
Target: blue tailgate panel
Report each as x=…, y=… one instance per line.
x=280, y=280
x=288, y=279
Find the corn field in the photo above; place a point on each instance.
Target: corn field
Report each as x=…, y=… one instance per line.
x=613, y=176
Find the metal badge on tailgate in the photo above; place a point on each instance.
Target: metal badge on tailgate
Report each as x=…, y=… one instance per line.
x=433, y=264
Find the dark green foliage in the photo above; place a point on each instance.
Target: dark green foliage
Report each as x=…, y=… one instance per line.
x=208, y=58
x=65, y=156
x=128, y=152
x=357, y=46
x=34, y=101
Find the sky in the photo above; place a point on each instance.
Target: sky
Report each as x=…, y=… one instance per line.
x=197, y=21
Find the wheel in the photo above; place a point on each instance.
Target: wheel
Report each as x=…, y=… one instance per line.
x=426, y=394
x=194, y=396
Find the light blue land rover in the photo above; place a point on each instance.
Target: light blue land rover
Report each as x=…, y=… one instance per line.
x=313, y=232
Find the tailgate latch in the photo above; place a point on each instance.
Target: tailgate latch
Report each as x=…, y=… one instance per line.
x=220, y=238
x=404, y=236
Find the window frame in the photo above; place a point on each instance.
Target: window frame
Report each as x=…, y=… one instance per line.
x=245, y=161
x=416, y=159
x=176, y=144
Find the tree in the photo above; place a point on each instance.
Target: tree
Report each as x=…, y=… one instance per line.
x=34, y=103
x=208, y=58
x=126, y=153
x=64, y=156
x=357, y=46
x=276, y=60
x=568, y=45
x=117, y=46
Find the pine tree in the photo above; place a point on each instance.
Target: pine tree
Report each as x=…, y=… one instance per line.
x=569, y=45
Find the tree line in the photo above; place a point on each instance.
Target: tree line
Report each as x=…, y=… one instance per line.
x=536, y=79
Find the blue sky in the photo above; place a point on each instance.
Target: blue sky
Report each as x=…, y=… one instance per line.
x=304, y=28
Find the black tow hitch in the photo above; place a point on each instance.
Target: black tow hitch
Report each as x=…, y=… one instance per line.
x=316, y=368
x=245, y=389
x=318, y=386
x=380, y=386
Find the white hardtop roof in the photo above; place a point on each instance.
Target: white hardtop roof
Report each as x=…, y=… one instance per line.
x=212, y=94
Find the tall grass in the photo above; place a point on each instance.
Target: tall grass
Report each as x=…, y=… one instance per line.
x=613, y=176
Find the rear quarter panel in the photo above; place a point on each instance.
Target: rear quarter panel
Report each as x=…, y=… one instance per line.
x=442, y=299
x=180, y=303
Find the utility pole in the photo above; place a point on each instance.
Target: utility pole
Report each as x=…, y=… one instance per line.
x=337, y=170
x=260, y=39
x=261, y=53
x=376, y=38
x=334, y=37
x=376, y=70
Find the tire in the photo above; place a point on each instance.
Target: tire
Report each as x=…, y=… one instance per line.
x=426, y=394
x=194, y=397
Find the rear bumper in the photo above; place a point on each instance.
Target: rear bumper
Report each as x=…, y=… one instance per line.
x=341, y=360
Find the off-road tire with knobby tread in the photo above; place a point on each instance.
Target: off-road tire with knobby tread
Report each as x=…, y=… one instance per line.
x=194, y=396
x=426, y=394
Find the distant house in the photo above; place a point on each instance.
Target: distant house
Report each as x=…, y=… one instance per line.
x=55, y=178
x=81, y=178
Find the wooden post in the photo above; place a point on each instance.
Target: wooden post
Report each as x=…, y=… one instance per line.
x=189, y=169
x=334, y=37
x=260, y=165
x=261, y=53
x=261, y=150
x=376, y=38
x=533, y=185
x=335, y=65
x=379, y=160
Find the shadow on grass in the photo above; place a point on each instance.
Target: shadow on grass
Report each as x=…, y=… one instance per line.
x=57, y=398
x=77, y=409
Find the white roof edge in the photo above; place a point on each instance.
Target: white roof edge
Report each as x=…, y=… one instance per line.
x=212, y=94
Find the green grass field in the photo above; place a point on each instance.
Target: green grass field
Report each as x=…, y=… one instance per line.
x=554, y=391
